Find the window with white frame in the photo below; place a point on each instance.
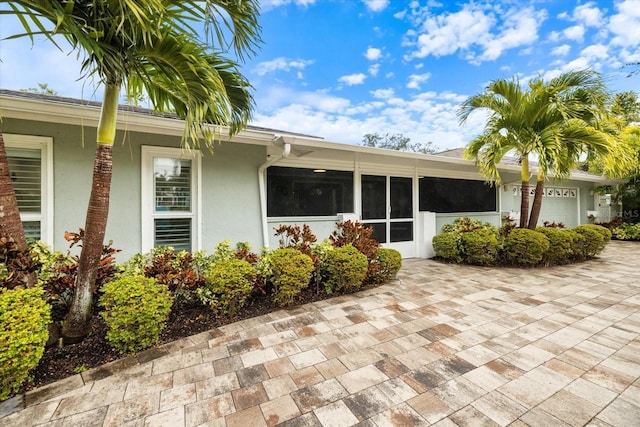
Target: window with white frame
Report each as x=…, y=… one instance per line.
x=30, y=161
x=170, y=198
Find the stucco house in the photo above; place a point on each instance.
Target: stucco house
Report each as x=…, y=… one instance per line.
x=260, y=178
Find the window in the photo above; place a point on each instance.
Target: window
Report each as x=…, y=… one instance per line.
x=170, y=198
x=30, y=161
x=308, y=192
x=445, y=195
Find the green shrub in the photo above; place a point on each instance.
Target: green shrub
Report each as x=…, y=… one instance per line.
x=594, y=239
x=604, y=231
x=626, y=231
x=465, y=224
x=578, y=242
x=560, y=241
x=346, y=269
x=525, y=247
x=359, y=236
x=479, y=246
x=24, y=316
x=390, y=261
x=291, y=272
x=229, y=285
x=446, y=246
x=135, y=310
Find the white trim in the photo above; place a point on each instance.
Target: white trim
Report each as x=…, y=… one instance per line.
x=146, y=190
x=45, y=145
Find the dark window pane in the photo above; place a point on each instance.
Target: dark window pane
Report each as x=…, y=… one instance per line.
x=445, y=195
x=401, y=197
x=374, y=197
x=401, y=231
x=175, y=232
x=303, y=192
x=379, y=231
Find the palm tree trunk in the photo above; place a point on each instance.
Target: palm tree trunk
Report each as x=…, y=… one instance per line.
x=76, y=324
x=524, y=197
x=537, y=204
x=10, y=222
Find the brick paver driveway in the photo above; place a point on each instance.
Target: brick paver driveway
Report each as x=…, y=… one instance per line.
x=443, y=345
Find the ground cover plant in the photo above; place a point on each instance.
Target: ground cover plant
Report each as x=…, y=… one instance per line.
x=470, y=241
x=623, y=229
x=166, y=295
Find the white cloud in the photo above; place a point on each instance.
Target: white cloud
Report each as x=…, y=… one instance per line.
x=588, y=14
x=276, y=97
x=595, y=51
x=470, y=30
x=447, y=33
x=561, y=50
x=376, y=5
x=373, y=54
x=382, y=93
x=281, y=64
x=353, y=79
x=416, y=79
x=374, y=69
x=266, y=5
x=575, y=32
x=520, y=29
x=626, y=24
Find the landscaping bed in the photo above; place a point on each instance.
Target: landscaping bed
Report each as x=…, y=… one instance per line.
x=185, y=320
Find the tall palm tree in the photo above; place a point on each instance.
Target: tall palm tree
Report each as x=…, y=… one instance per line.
x=149, y=48
x=555, y=121
x=10, y=224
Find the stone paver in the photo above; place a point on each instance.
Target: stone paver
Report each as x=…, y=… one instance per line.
x=443, y=345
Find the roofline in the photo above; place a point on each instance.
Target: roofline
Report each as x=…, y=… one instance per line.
x=54, y=109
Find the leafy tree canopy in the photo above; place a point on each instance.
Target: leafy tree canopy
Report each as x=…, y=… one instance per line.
x=397, y=142
x=42, y=89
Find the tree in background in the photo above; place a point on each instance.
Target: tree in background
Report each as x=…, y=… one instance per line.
x=42, y=89
x=151, y=48
x=624, y=161
x=557, y=121
x=397, y=142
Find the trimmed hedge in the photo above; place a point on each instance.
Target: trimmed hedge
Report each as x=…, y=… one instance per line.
x=525, y=247
x=473, y=242
x=446, y=246
x=594, y=239
x=228, y=286
x=560, y=242
x=479, y=247
x=135, y=310
x=24, y=316
x=291, y=272
x=346, y=268
x=390, y=261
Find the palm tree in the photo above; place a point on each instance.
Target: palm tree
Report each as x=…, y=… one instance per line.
x=556, y=121
x=149, y=48
x=11, y=228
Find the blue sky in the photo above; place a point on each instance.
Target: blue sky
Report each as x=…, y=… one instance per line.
x=343, y=68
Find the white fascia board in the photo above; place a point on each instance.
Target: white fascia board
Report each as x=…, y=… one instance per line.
x=89, y=115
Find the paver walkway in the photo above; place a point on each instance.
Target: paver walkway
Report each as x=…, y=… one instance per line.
x=443, y=345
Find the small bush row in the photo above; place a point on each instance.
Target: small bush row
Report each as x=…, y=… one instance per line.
x=473, y=242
